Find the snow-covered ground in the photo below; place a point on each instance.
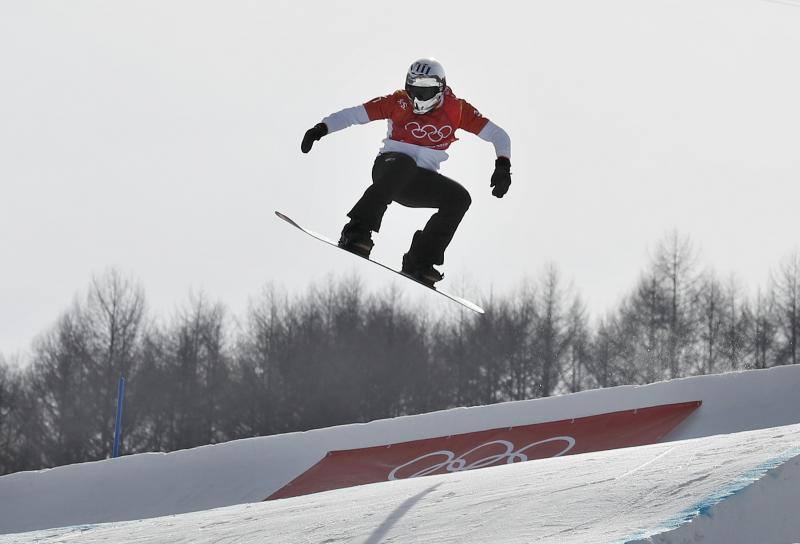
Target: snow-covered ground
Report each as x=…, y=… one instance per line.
x=611, y=496
x=700, y=483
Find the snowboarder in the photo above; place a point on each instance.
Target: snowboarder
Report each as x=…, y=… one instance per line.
x=422, y=122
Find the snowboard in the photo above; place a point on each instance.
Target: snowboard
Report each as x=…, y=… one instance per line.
x=462, y=301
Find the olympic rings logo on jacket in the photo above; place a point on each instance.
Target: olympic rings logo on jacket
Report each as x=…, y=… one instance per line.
x=433, y=133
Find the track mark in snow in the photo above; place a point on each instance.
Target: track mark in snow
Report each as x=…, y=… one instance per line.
x=580, y=486
x=650, y=462
x=214, y=524
x=605, y=518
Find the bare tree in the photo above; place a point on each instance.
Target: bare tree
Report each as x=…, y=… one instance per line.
x=198, y=372
x=612, y=359
x=762, y=337
x=398, y=378
x=491, y=355
x=148, y=415
x=675, y=262
x=76, y=366
x=454, y=343
x=21, y=430
x=786, y=295
x=579, y=348
x=641, y=331
x=518, y=320
x=712, y=309
x=735, y=326
x=61, y=384
x=258, y=374
x=113, y=316
x=9, y=391
x=553, y=332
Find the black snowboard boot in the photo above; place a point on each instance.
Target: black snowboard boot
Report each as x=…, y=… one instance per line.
x=419, y=266
x=356, y=238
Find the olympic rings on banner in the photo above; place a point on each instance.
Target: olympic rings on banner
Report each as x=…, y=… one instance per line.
x=456, y=464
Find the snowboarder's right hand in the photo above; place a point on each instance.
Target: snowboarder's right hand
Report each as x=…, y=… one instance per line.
x=312, y=135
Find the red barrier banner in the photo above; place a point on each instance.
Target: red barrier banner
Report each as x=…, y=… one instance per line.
x=469, y=451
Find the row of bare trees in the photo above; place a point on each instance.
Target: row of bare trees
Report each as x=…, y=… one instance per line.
x=338, y=355
x=679, y=321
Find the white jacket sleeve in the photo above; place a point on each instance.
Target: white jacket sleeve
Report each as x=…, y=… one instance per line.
x=357, y=115
x=499, y=137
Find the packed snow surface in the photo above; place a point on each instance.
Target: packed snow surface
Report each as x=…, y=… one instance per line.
x=763, y=512
x=596, y=497
x=746, y=431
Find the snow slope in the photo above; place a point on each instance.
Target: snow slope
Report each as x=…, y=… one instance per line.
x=246, y=471
x=610, y=496
x=765, y=511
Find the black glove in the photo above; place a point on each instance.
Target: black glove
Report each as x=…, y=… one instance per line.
x=312, y=135
x=501, y=179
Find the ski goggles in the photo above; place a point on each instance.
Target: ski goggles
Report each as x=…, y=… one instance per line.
x=422, y=93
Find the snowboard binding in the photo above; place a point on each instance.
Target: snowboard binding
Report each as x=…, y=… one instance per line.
x=356, y=238
x=418, y=266
x=426, y=275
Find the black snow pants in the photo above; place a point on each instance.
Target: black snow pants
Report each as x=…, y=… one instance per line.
x=397, y=178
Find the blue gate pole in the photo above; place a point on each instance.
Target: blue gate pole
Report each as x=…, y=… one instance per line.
x=118, y=425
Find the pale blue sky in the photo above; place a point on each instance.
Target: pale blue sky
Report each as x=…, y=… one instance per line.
x=159, y=136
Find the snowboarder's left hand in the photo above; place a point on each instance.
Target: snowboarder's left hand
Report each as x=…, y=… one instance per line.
x=312, y=135
x=501, y=179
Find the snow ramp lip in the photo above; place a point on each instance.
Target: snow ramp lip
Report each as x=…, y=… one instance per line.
x=706, y=507
x=469, y=451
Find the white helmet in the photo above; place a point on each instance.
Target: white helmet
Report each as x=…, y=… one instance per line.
x=425, y=84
